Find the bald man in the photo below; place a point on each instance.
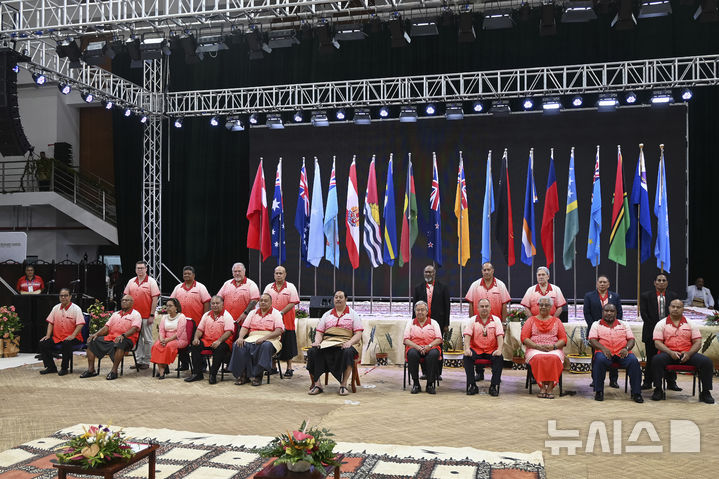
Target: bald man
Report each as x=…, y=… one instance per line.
x=284, y=299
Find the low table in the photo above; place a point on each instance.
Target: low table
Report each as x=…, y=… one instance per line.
x=109, y=470
x=280, y=471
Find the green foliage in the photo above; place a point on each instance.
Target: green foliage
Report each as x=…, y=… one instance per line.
x=708, y=342
x=312, y=334
x=581, y=342
x=96, y=447
x=447, y=343
x=10, y=323
x=301, y=313
x=310, y=444
x=98, y=316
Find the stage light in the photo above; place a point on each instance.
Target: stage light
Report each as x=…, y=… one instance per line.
x=430, y=109
x=454, y=111
x=128, y=112
x=497, y=19
x=656, y=8
x=16, y=68
x=340, y=114
x=362, y=116
x=607, y=101
x=143, y=118
x=624, y=19
x=97, y=53
x=630, y=97
x=64, y=88
x=178, y=123
x=661, y=97
x=214, y=121
x=384, y=112
x=349, y=32
x=189, y=46
x=69, y=49
x=465, y=28
x=423, y=27
x=528, y=104
x=547, y=21
x=210, y=44
x=707, y=11
x=477, y=106
x=133, y=50
x=551, y=103
x=579, y=12
x=282, y=38
x=319, y=118
x=87, y=96
x=400, y=37
x=500, y=107
x=274, y=121
x=234, y=124
x=153, y=48
x=408, y=114
x=577, y=101
x=254, y=119
x=108, y=104
x=39, y=78
x=298, y=117
x=687, y=94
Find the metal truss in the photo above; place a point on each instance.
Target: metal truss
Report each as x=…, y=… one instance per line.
x=152, y=176
x=498, y=84
x=43, y=18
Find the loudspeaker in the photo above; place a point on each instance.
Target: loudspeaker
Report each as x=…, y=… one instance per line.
x=319, y=305
x=13, y=141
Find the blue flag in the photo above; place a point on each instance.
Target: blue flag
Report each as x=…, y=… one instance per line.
x=487, y=211
x=389, y=252
x=277, y=219
x=595, y=218
x=316, y=246
x=302, y=214
x=639, y=211
x=661, y=211
x=434, y=236
x=332, y=234
x=530, y=197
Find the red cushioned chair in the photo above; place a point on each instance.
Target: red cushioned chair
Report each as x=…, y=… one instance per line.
x=682, y=368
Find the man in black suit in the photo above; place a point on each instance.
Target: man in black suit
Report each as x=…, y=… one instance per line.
x=436, y=295
x=594, y=302
x=653, y=307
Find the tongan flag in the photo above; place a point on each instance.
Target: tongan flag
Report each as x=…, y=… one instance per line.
x=302, y=214
x=640, y=215
x=461, y=212
x=372, y=238
x=316, y=246
x=661, y=211
x=530, y=197
x=551, y=207
x=258, y=230
x=503, y=229
x=352, y=217
x=409, y=218
x=277, y=219
x=332, y=233
x=595, y=218
x=620, y=213
x=487, y=210
x=434, y=238
x=389, y=252
x=571, y=220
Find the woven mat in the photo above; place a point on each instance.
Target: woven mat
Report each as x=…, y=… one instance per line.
x=208, y=456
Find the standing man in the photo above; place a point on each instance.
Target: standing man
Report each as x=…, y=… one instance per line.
x=698, y=295
x=30, y=283
x=654, y=307
x=543, y=288
x=483, y=339
x=436, y=295
x=594, y=302
x=214, y=333
x=240, y=294
x=284, y=299
x=195, y=301
x=145, y=293
x=64, y=327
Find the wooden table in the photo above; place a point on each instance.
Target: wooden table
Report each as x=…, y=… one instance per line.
x=109, y=471
x=280, y=471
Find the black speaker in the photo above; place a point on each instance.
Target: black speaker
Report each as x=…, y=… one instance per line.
x=319, y=305
x=13, y=141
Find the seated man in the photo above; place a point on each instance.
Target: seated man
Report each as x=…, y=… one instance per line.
x=337, y=344
x=678, y=341
x=483, y=339
x=422, y=339
x=613, y=341
x=214, y=333
x=252, y=354
x=64, y=327
x=120, y=334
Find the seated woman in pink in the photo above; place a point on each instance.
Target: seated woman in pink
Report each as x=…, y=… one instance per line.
x=172, y=336
x=544, y=336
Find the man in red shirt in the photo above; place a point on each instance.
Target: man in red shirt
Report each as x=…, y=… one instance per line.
x=195, y=301
x=145, y=293
x=214, y=333
x=483, y=339
x=64, y=326
x=30, y=283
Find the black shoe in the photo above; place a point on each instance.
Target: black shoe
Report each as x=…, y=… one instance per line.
x=88, y=374
x=658, y=395
x=613, y=384
x=273, y=371
x=706, y=397
x=430, y=389
x=494, y=390
x=289, y=373
x=111, y=375
x=213, y=378
x=183, y=367
x=439, y=378
x=472, y=389
x=673, y=387
x=646, y=386
x=194, y=377
x=62, y=372
x=599, y=396
x=416, y=388
x=422, y=377
x=638, y=398
x=48, y=371
x=479, y=376
x=591, y=385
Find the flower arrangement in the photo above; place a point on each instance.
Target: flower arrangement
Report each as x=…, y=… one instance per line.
x=301, y=313
x=161, y=309
x=310, y=445
x=516, y=315
x=98, y=316
x=97, y=446
x=10, y=322
x=712, y=320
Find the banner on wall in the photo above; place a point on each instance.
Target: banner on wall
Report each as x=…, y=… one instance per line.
x=13, y=247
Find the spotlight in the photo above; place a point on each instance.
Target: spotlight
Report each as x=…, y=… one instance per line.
x=214, y=121
x=607, y=101
x=630, y=98
x=551, y=104
x=143, y=118
x=624, y=20
x=108, y=104
x=64, y=88
x=87, y=96
x=430, y=109
x=547, y=21
x=39, y=78
x=528, y=104
x=349, y=32
x=210, y=44
x=654, y=8
x=128, y=112
x=454, y=111
x=400, y=37
x=319, y=118
x=178, y=123
x=497, y=19
x=577, y=101
x=153, y=48
x=274, y=121
x=408, y=114
x=234, y=124
x=16, y=68
x=362, y=116
x=423, y=27
x=340, y=114
x=661, y=97
x=707, y=11
x=133, y=50
x=500, y=107
x=465, y=28
x=254, y=119
x=69, y=49
x=579, y=12
x=384, y=112
x=298, y=117
x=477, y=106
x=97, y=53
x=282, y=38
x=687, y=94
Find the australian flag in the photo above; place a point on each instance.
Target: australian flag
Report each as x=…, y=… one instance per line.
x=434, y=236
x=302, y=215
x=277, y=220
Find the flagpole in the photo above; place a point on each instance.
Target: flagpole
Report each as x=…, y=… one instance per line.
x=409, y=251
x=371, y=289
x=554, y=252
x=575, y=278
x=531, y=156
x=639, y=240
x=390, y=288
x=334, y=251
x=299, y=271
x=353, y=288
x=460, y=238
x=315, y=280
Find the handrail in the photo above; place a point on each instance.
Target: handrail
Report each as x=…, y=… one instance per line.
x=92, y=194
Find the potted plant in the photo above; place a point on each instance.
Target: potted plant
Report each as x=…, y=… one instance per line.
x=451, y=355
x=10, y=326
x=712, y=320
x=302, y=450
x=301, y=313
x=98, y=316
x=98, y=446
x=516, y=315
x=581, y=361
x=518, y=358
x=382, y=355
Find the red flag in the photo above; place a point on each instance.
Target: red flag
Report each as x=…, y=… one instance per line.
x=551, y=207
x=258, y=231
x=352, y=217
